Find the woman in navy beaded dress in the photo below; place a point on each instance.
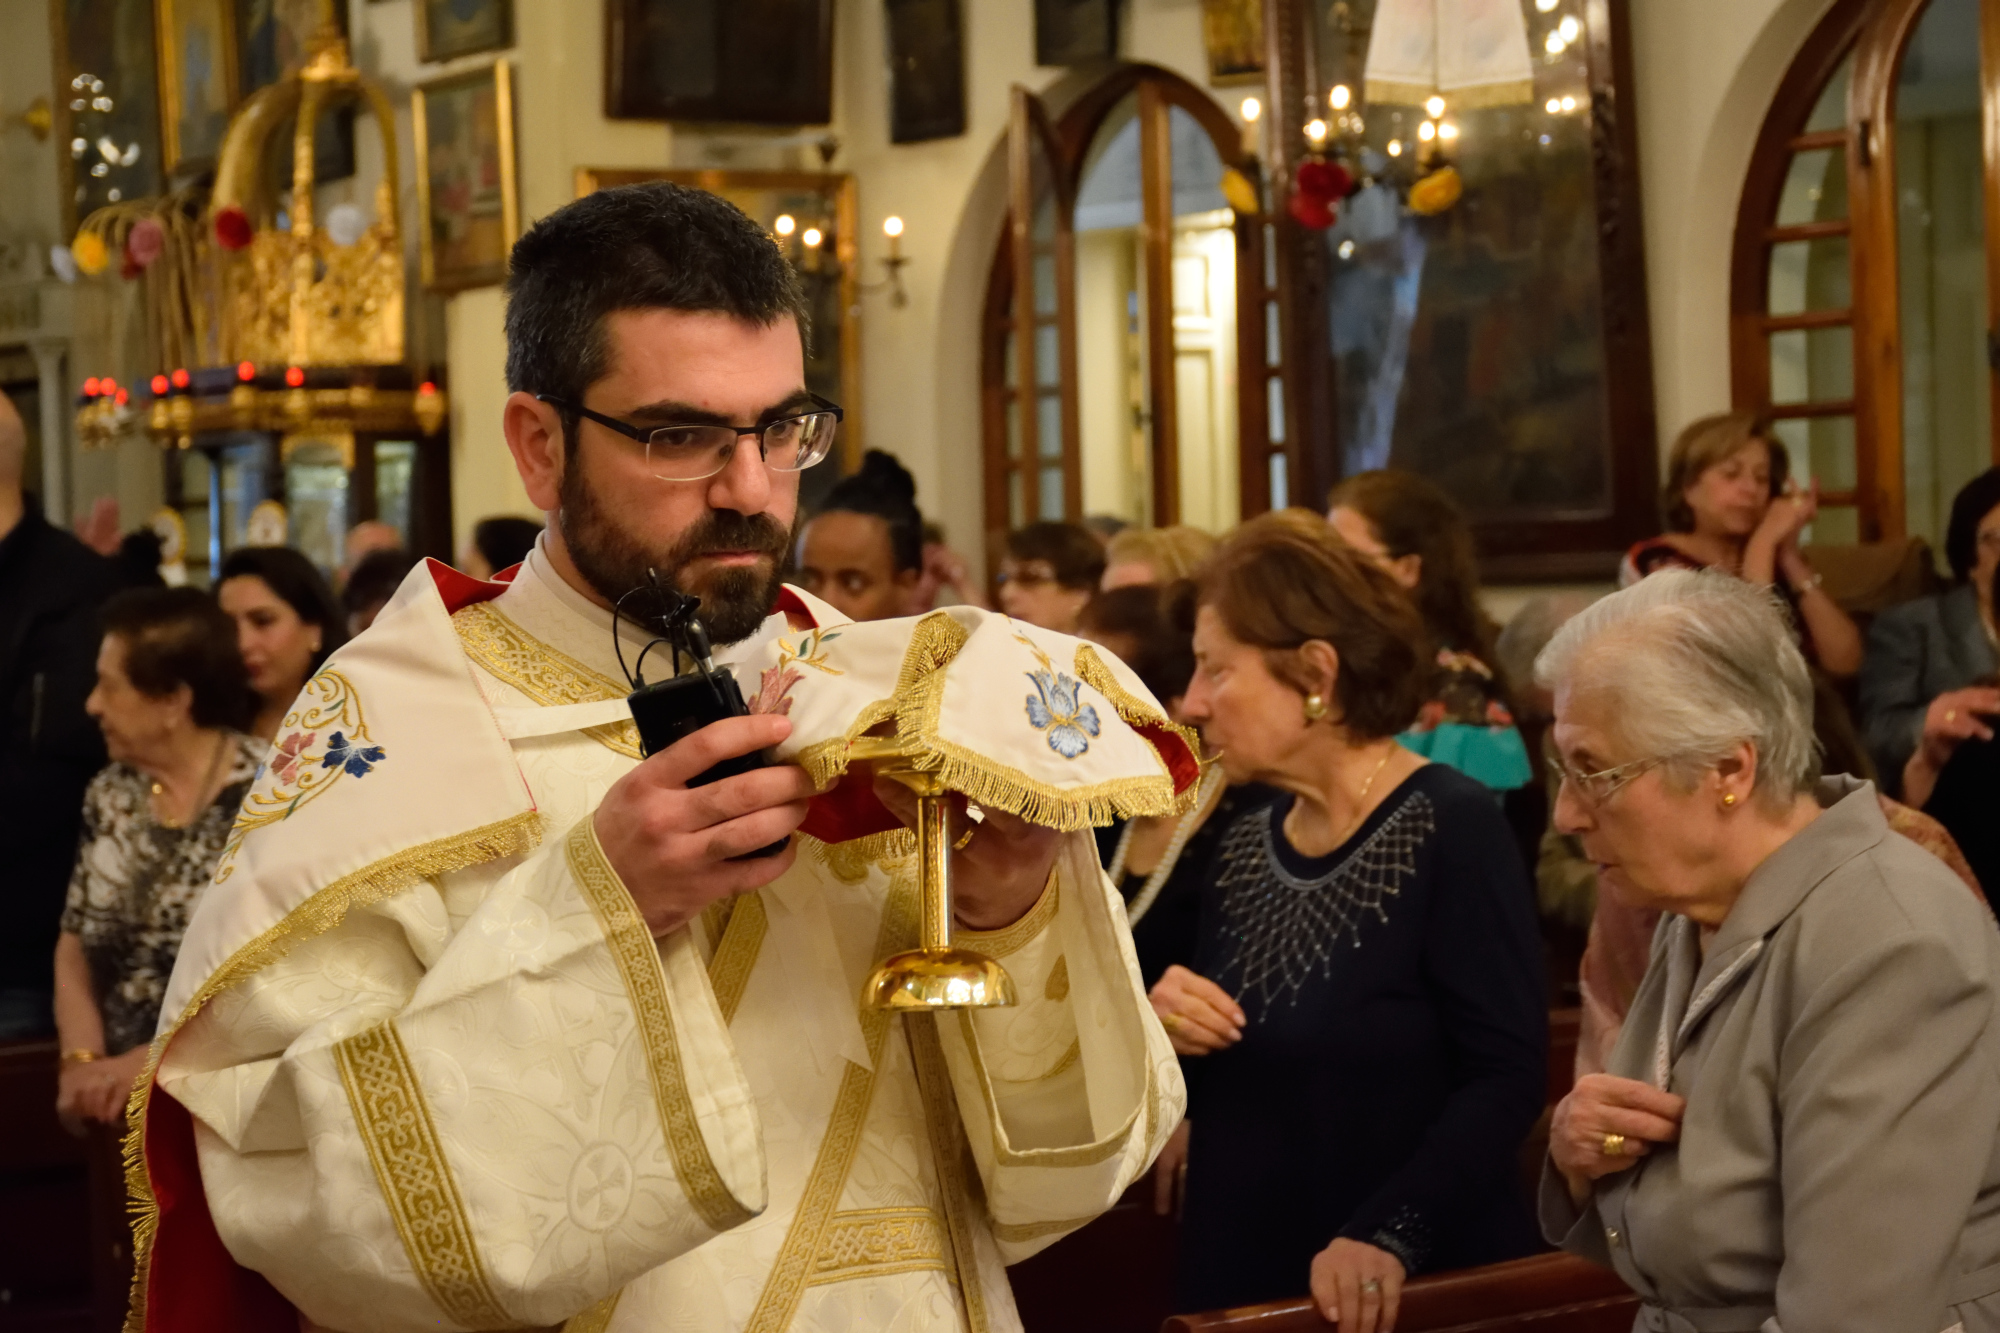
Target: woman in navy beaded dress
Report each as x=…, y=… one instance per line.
x=1362, y=1000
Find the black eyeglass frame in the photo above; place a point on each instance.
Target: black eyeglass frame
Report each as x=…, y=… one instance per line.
x=644, y=434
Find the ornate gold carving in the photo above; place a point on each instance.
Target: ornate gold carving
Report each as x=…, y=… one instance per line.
x=515, y=657
x=638, y=960
x=875, y=1242
x=415, y=1179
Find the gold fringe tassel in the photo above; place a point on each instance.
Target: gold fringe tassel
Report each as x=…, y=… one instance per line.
x=318, y=914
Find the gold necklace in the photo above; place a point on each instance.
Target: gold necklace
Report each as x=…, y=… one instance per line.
x=214, y=763
x=1361, y=801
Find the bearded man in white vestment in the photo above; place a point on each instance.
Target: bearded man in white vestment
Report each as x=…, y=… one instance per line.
x=484, y=1025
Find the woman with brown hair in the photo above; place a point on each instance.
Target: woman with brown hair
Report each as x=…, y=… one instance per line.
x=1730, y=504
x=1414, y=533
x=1363, y=990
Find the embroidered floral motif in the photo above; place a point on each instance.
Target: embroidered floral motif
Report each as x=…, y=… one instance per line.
x=288, y=753
x=358, y=759
x=293, y=774
x=774, y=690
x=1055, y=708
x=810, y=652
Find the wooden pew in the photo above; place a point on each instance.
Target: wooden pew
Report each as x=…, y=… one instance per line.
x=1548, y=1293
x=45, y=1213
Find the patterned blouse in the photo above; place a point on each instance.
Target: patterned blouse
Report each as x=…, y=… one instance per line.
x=136, y=884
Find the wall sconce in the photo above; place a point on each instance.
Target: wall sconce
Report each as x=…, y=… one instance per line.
x=892, y=230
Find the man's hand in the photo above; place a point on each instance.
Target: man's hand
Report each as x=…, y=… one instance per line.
x=1000, y=871
x=671, y=843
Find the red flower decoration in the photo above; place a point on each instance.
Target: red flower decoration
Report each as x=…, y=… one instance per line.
x=232, y=228
x=1308, y=211
x=289, y=753
x=1327, y=182
x=146, y=242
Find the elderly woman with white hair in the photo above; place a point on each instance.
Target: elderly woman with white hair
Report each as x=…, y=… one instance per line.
x=1799, y=1127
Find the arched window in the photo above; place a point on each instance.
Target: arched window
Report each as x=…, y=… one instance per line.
x=1864, y=270
x=1129, y=359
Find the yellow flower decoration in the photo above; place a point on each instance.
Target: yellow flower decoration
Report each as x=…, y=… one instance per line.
x=1436, y=192
x=91, y=254
x=1241, y=194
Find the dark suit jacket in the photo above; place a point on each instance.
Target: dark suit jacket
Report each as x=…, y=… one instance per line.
x=1916, y=652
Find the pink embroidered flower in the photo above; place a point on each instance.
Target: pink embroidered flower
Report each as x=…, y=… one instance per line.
x=774, y=691
x=289, y=753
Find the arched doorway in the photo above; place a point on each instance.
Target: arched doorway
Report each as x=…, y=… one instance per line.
x=1129, y=337
x=1866, y=268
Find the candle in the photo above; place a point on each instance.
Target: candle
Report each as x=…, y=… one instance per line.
x=892, y=227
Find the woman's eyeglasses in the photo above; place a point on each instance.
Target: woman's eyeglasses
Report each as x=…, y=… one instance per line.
x=1599, y=787
x=692, y=453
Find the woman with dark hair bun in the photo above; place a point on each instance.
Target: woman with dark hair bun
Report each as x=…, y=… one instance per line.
x=864, y=550
x=171, y=700
x=287, y=624
x=1413, y=532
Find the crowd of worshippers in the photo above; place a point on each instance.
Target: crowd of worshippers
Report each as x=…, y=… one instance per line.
x=1361, y=1008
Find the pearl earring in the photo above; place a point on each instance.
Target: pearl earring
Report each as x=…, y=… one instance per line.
x=1315, y=708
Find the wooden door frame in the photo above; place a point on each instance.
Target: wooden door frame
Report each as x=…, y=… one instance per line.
x=1074, y=130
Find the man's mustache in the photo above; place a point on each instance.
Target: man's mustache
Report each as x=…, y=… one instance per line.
x=729, y=530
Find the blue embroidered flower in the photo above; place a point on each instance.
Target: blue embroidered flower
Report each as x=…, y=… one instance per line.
x=1055, y=708
x=356, y=759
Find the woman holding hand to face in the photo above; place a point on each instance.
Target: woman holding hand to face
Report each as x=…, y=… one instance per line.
x=1797, y=1128
x=1362, y=989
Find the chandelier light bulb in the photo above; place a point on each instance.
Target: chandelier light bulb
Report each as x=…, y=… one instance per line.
x=1252, y=108
x=1435, y=106
x=785, y=225
x=1341, y=97
x=1570, y=28
x=1547, y=6
x=1569, y=104
x=1316, y=131
x=1395, y=148
x=812, y=238
x=1427, y=131
x=892, y=226
x=1448, y=131
x=1555, y=45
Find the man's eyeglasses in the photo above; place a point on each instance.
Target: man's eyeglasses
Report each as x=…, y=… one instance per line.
x=1599, y=787
x=691, y=453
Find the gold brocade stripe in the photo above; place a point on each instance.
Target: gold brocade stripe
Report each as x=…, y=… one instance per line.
x=1016, y=1232
x=597, y=1318
x=638, y=960
x=736, y=953
x=414, y=1177
x=874, y=1242
x=1012, y=939
x=715, y=922
x=515, y=657
x=950, y=1153
x=1057, y=986
x=804, y=1240
x=318, y=914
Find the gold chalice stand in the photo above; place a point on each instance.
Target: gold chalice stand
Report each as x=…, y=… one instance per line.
x=934, y=975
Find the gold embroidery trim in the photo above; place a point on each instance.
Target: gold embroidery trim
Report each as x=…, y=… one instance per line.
x=1012, y=939
x=551, y=678
x=1018, y=1232
x=1057, y=986
x=638, y=960
x=729, y=967
x=318, y=914
x=715, y=922
x=414, y=1177
x=875, y=1242
x=950, y=1154
x=805, y=1239
x=1137, y=712
x=850, y=861
x=597, y=1318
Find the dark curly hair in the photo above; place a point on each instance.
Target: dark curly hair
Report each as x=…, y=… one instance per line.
x=1974, y=501
x=884, y=489
x=651, y=246
x=179, y=636
x=298, y=583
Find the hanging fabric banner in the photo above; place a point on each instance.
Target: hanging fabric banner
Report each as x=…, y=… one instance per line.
x=1473, y=53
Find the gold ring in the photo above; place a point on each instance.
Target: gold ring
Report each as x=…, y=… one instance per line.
x=1171, y=1022
x=965, y=838
x=1950, y=714
x=1614, y=1145
x=1372, y=1286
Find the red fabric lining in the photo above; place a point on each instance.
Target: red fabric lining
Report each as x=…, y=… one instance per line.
x=461, y=590
x=193, y=1285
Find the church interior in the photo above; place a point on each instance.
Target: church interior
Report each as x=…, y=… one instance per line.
x=1124, y=266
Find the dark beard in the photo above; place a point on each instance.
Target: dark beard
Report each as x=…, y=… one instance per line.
x=734, y=602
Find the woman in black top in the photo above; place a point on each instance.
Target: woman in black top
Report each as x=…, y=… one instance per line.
x=1363, y=987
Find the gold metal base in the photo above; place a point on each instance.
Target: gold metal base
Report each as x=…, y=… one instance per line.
x=939, y=979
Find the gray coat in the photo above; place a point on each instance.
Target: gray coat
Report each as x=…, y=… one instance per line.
x=1916, y=652
x=1839, y=1051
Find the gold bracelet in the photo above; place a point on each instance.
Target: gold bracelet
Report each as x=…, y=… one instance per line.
x=81, y=1057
